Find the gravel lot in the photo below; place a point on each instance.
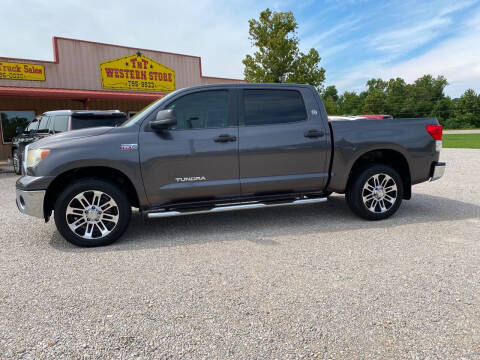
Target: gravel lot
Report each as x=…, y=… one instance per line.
x=312, y=281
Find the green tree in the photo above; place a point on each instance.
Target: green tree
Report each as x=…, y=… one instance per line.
x=376, y=84
x=373, y=99
x=396, y=93
x=423, y=94
x=374, y=102
x=443, y=110
x=467, y=109
x=330, y=91
x=278, y=57
x=331, y=106
x=350, y=103
x=424, y=97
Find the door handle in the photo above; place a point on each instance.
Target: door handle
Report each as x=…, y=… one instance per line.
x=225, y=138
x=314, y=133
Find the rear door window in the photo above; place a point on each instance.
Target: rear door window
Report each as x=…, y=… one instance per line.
x=88, y=122
x=263, y=107
x=60, y=123
x=51, y=123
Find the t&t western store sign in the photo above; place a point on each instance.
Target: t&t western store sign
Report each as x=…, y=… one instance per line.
x=136, y=72
x=18, y=71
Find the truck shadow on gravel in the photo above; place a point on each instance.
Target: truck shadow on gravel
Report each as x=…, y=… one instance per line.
x=261, y=225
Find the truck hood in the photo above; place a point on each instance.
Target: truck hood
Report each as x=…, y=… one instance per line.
x=70, y=135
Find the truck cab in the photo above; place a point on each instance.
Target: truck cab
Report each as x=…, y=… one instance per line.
x=224, y=137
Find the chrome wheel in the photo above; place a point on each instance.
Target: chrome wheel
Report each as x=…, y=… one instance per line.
x=92, y=214
x=379, y=193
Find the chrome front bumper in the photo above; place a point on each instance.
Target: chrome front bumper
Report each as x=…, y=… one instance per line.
x=438, y=169
x=31, y=202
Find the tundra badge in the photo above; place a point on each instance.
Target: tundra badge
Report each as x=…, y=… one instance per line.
x=191, y=179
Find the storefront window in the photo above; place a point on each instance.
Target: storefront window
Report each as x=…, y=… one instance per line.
x=13, y=120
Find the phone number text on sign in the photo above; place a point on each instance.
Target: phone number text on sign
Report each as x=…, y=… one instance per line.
x=141, y=84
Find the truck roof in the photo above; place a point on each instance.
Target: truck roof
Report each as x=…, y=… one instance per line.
x=251, y=85
x=85, y=113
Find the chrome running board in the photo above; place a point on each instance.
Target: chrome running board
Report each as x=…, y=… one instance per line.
x=216, y=209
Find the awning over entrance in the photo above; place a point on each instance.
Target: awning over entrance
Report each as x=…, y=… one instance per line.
x=83, y=95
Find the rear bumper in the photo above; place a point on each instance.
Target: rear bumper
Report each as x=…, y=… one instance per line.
x=438, y=169
x=31, y=202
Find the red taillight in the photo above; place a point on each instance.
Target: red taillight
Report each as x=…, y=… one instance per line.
x=435, y=131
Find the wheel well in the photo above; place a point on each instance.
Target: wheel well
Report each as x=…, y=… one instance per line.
x=387, y=157
x=97, y=172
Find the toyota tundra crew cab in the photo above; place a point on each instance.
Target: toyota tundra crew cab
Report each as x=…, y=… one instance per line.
x=217, y=148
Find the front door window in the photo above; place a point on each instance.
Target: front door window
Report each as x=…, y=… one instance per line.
x=202, y=110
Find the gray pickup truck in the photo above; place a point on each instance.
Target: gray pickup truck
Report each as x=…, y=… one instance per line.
x=217, y=148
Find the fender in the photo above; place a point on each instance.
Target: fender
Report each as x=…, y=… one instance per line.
x=345, y=158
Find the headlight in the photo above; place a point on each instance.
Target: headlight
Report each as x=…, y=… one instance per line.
x=34, y=157
x=24, y=160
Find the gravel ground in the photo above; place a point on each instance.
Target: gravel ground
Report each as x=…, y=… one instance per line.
x=312, y=281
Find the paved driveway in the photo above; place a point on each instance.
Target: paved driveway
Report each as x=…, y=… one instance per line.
x=312, y=281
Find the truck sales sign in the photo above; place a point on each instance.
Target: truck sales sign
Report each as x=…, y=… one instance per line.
x=17, y=71
x=136, y=72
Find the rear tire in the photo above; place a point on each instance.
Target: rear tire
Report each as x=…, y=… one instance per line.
x=17, y=162
x=375, y=192
x=92, y=212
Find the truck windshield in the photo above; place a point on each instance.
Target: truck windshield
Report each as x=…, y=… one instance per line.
x=32, y=126
x=146, y=110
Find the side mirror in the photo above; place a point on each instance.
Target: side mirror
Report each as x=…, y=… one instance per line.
x=164, y=120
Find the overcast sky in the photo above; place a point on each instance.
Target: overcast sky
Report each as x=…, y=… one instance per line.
x=357, y=39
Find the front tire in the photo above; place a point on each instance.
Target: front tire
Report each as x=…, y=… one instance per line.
x=17, y=162
x=375, y=192
x=92, y=212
